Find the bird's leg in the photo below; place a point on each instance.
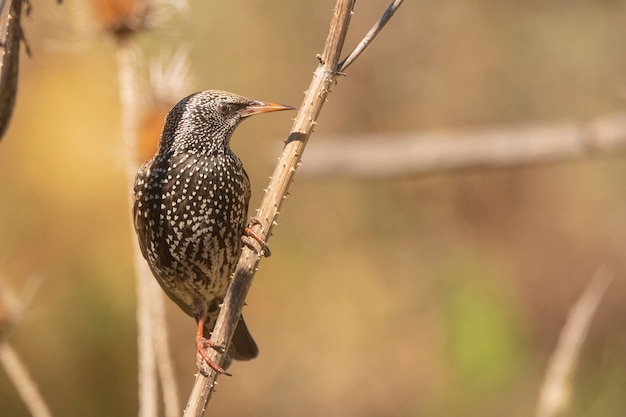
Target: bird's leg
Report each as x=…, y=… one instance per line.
x=202, y=343
x=249, y=233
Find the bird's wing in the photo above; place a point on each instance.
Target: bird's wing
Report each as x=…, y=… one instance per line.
x=139, y=221
x=247, y=194
x=142, y=230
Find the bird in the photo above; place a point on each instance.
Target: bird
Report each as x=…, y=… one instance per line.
x=190, y=205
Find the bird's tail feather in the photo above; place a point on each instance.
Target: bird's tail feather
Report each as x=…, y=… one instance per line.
x=242, y=347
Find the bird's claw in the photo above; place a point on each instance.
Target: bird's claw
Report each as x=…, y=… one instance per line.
x=202, y=344
x=249, y=233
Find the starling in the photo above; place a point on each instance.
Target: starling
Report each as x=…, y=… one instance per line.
x=190, y=204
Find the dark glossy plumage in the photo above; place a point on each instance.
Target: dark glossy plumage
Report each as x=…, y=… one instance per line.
x=191, y=203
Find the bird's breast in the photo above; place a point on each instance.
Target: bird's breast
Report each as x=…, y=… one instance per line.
x=194, y=211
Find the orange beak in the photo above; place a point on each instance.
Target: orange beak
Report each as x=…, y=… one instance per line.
x=258, y=107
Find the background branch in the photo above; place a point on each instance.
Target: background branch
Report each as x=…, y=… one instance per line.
x=147, y=372
x=427, y=153
x=154, y=357
x=164, y=356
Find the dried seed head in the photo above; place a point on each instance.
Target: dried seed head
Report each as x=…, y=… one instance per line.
x=121, y=17
x=168, y=78
x=124, y=18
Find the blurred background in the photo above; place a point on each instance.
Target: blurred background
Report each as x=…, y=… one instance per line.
x=429, y=296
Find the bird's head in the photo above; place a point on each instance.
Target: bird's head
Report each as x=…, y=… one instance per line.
x=205, y=121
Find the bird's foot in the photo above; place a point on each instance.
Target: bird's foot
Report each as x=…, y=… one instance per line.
x=249, y=233
x=202, y=343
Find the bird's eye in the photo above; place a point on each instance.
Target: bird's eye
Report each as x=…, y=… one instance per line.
x=224, y=108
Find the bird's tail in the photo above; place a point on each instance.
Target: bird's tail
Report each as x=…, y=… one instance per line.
x=242, y=347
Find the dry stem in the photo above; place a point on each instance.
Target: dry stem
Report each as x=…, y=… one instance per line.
x=163, y=354
x=147, y=372
x=315, y=97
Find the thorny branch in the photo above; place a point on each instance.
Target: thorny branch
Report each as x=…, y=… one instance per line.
x=315, y=97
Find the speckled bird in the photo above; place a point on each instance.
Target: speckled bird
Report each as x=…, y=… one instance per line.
x=190, y=209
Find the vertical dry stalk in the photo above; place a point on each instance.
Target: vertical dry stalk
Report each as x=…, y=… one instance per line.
x=152, y=339
x=323, y=79
x=124, y=21
x=163, y=355
x=148, y=398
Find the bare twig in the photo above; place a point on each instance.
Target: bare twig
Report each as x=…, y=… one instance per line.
x=323, y=79
x=11, y=309
x=148, y=398
x=389, y=155
x=373, y=32
x=555, y=391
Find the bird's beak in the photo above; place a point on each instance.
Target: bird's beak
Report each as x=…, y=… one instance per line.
x=257, y=107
